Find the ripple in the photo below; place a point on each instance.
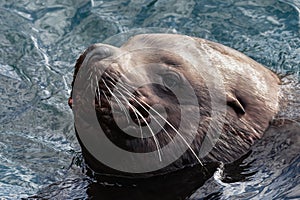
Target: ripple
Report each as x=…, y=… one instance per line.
x=40, y=41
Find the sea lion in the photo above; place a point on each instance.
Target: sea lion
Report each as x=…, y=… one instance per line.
x=162, y=102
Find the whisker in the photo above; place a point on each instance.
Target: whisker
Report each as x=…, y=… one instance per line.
x=158, y=147
x=183, y=139
x=98, y=92
x=134, y=110
x=138, y=113
x=121, y=106
x=92, y=85
x=161, y=126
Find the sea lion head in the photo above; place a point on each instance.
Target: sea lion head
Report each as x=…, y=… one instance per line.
x=162, y=102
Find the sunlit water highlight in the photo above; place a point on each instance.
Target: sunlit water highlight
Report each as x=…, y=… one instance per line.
x=40, y=41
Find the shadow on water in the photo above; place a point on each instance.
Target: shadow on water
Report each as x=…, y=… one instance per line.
x=273, y=154
x=178, y=185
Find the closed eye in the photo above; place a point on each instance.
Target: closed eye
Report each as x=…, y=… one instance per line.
x=171, y=80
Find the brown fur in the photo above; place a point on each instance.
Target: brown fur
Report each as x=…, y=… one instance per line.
x=251, y=93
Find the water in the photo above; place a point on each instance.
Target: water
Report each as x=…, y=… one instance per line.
x=40, y=41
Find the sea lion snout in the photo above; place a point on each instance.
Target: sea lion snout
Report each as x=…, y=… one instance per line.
x=100, y=51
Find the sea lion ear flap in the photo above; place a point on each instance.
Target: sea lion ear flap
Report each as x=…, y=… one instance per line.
x=236, y=104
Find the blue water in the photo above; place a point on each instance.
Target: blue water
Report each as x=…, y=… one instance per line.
x=40, y=41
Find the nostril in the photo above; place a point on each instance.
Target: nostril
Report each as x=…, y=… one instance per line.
x=70, y=102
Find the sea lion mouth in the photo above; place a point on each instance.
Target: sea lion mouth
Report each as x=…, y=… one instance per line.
x=106, y=102
x=110, y=112
x=142, y=120
x=120, y=108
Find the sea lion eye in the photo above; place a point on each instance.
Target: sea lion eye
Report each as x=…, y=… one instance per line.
x=171, y=80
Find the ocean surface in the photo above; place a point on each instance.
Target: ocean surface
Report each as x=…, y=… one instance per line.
x=40, y=41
